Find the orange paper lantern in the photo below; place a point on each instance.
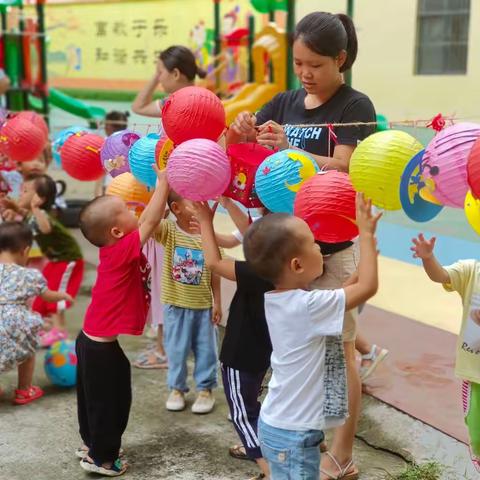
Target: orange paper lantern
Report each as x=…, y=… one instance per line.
x=135, y=194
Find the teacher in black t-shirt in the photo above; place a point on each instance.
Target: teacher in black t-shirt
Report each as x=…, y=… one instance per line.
x=325, y=46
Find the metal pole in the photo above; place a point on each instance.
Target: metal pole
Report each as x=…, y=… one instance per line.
x=251, y=39
x=290, y=31
x=348, y=74
x=43, y=57
x=217, y=35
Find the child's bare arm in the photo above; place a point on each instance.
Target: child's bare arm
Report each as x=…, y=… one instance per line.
x=367, y=283
x=153, y=213
x=217, y=299
x=214, y=261
x=423, y=248
x=40, y=215
x=54, y=297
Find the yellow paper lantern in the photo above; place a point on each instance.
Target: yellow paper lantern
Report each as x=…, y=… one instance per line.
x=135, y=194
x=377, y=165
x=472, y=211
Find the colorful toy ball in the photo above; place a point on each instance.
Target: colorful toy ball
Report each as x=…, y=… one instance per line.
x=445, y=162
x=21, y=140
x=473, y=169
x=326, y=202
x=114, y=153
x=61, y=364
x=244, y=161
x=131, y=191
x=280, y=176
x=141, y=158
x=61, y=138
x=193, y=112
x=36, y=119
x=377, y=164
x=198, y=170
x=472, y=211
x=80, y=156
x=163, y=151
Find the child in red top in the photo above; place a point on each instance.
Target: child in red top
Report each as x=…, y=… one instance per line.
x=120, y=300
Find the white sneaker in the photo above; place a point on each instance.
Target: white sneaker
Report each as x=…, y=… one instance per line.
x=204, y=402
x=175, y=401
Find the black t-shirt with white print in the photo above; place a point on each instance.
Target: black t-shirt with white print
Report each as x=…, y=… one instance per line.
x=246, y=345
x=345, y=106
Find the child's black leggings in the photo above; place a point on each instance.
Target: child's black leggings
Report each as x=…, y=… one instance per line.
x=104, y=396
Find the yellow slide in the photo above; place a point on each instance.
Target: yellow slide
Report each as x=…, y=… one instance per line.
x=270, y=41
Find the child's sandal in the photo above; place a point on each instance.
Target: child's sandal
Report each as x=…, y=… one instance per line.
x=22, y=397
x=82, y=452
x=115, y=470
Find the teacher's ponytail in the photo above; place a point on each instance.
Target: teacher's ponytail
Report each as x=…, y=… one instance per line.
x=328, y=34
x=352, y=42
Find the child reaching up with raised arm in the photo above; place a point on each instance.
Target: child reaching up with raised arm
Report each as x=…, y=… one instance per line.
x=19, y=326
x=119, y=305
x=462, y=277
x=246, y=348
x=281, y=248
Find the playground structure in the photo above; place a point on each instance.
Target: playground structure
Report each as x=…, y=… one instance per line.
x=23, y=58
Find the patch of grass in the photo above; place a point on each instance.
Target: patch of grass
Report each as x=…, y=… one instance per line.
x=426, y=471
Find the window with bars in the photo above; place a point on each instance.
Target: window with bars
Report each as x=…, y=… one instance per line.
x=442, y=37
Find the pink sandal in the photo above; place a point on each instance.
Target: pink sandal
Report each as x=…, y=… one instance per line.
x=22, y=397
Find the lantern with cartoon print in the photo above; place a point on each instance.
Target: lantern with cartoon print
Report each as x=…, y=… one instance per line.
x=244, y=161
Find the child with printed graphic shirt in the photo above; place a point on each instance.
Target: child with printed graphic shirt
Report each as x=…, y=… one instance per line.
x=120, y=301
x=281, y=248
x=462, y=277
x=192, y=309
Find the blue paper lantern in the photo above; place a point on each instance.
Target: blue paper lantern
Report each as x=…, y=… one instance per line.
x=280, y=176
x=61, y=364
x=141, y=158
x=60, y=138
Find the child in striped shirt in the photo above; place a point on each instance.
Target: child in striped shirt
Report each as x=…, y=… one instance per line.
x=192, y=309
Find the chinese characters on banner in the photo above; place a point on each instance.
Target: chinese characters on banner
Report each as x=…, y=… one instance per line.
x=137, y=33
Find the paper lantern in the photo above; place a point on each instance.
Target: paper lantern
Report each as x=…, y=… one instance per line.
x=280, y=176
x=445, y=162
x=60, y=138
x=326, y=202
x=80, y=156
x=193, y=112
x=473, y=169
x=472, y=211
x=377, y=164
x=141, y=158
x=198, y=169
x=244, y=161
x=114, y=153
x=163, y=151
x=417, y=201
x=21, y=140
x=135, y=194
x=36, y=119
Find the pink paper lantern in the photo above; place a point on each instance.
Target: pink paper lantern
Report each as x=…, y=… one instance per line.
x=473, y=169
x=445, y=162
x=198, y=170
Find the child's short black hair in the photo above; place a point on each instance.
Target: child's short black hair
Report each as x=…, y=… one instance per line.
x=46, y=188
x=269, y=243
x=173, y=197
x=96, y=220
x=15, y=237
x=117, y=120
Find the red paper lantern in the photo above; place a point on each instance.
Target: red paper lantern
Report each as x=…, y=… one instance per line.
x=473, y=169
x=36, y=119
x=193, y=112
x=244, y=161
x=326, y=202
x=80, y=156
x=21, y=140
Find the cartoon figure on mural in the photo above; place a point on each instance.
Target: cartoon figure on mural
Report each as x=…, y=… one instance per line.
x=187, y=266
